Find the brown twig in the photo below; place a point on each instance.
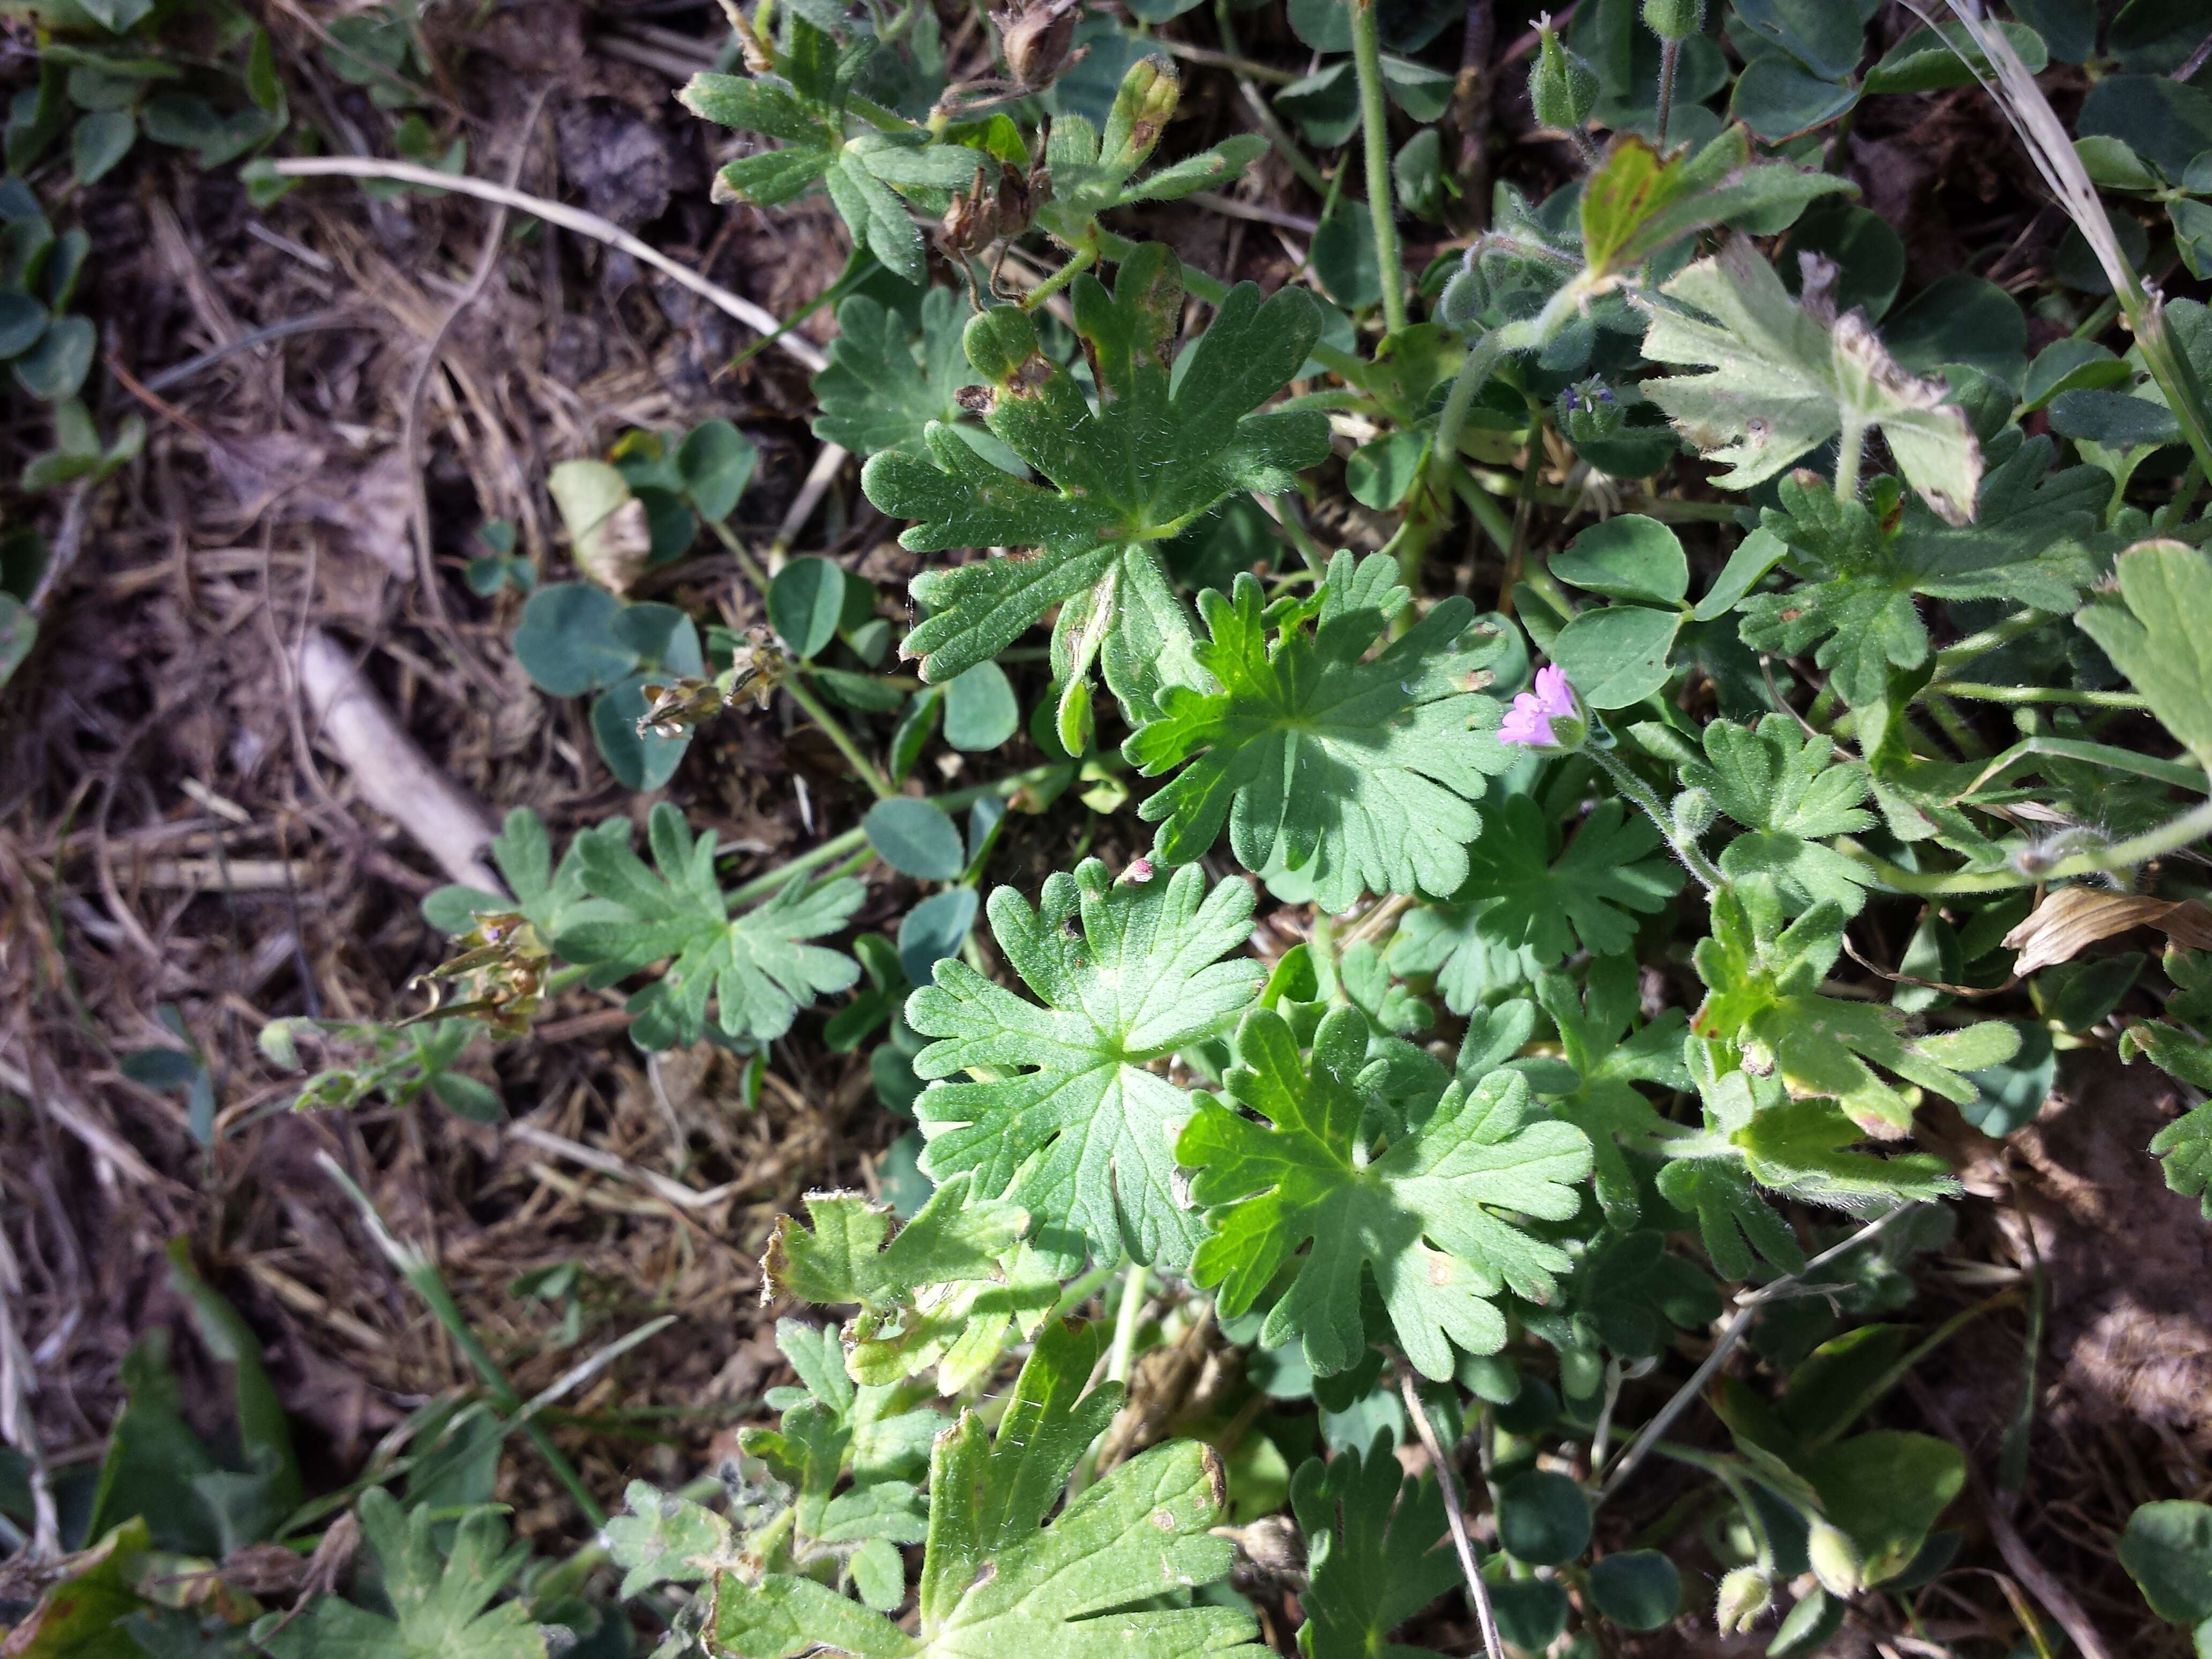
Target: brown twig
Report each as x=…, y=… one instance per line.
x=1448, y=1479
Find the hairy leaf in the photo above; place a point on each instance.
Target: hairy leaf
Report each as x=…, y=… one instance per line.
x=1638, y=202
x=1360, y=772
x=1418, y=1216
x=1786, y=377
x=1579, y=901
x=883, y=387
x=2160, y=635
x=1066, y=1119
x=1787, y=788
x=1762, y=999
x=1860, y=577
x=1611, y=1054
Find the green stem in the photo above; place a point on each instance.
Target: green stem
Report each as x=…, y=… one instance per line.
x=1126, y=1322
x=1080, y=1291
x=1375, y=127
x=2033, y=693
x=1851, y=446
x=1482, y=507
x=2170, y=366
x=834, y=729
x=1636, y=790
x=2168, y=837
x=855, y=840
x=422, y=1277
x=1671, y=54
x=1076, y=263
x=1952, y=658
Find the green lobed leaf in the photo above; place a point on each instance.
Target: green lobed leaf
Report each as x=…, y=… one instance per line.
x=1581, y=900
x=1066, y=1119
x=1787, y=789
x=756, y=966
x=2160, y=635
x=1360, y=773
x=1413, y=1217
x=441, y=1608
x=1637, y=202
x=1786, y=377
x=851, y=1256
x=1376, y=1552
x=1169, y=438
x=1611, y=1053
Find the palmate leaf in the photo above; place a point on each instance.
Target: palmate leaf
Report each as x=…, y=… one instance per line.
x=440, y=1610
x=1762, y=1000
x=884, y=386
x=1360, y=773
x=755, y=966
x=1375, y=1553
x=997, y=1582
x=1580, y=900
x=1787, y=788
x=1786, y=377
x=1068, y=1122
x=1093, y=174
x=2030, y=546
x=1611, y=1054
x=1169, y=438
x=1419, y=1218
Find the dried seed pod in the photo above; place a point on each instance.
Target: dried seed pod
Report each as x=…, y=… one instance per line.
x=1034, y=38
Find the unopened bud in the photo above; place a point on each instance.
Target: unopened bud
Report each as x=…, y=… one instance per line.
x=1693, y=813
x=1142, y=108
x=1835, y=1560
x=1466, y=297
x=1588, y=412
x=1745, y=1595
x=1562, y=86
x=1674, y=20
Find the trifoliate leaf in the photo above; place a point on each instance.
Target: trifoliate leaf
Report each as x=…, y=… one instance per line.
x=883, y=387
x=997, y=1583
x=1358, y=773
x=1413, y=1216
x=754, y=965
x=441, y=1608
x=1733, y=1220
x=1611, y=1055
x=1786, y=377
x=1859, y=577
x=1762, y=999
x=1787, y=788
x=1168, y=439
x=1375, y=1553
x=1066, y=1120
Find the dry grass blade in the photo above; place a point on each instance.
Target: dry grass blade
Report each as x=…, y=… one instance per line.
x=2073, y=919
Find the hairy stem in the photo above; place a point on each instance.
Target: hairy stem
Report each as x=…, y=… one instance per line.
x=1981, y=693
x=1670, y=55
x=1636, y=790
x=834, y=729
x=1076, y=263
x=1375, y=127
x=1851, y=446
x=2170, y=836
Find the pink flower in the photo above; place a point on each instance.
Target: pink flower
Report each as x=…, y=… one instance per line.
x=1529, y=721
